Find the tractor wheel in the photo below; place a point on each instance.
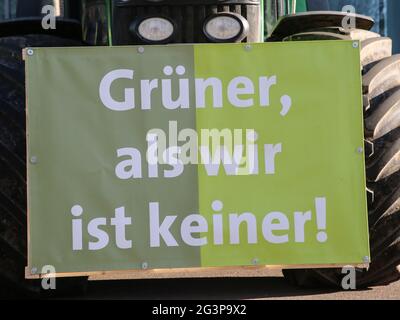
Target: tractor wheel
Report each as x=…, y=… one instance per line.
x=13, y=219
x=381, y=89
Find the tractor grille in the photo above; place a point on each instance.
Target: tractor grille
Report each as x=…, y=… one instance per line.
x=189, y=20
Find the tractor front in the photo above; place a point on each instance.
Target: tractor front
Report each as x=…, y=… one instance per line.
x=149, y=22
x=161, y=22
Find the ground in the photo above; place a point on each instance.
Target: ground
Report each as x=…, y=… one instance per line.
x=271, y=287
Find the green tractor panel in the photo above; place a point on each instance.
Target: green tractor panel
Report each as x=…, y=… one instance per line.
x=130, y=22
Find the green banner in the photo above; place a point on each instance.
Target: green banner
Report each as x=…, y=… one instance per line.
x=195, y=156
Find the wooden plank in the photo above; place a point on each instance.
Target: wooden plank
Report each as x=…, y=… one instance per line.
x=177, y=273
x=27, y=162
x=24, y=54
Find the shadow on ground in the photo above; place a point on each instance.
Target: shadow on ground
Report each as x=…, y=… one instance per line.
x=221, y=288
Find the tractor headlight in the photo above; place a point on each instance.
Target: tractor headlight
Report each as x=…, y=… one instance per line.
x=226, y=27
x=153, y=29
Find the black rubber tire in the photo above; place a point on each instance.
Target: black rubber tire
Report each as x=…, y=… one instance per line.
x=13, y=229
x=381, y=85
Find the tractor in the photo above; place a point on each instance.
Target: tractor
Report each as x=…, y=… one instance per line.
x=150, y=22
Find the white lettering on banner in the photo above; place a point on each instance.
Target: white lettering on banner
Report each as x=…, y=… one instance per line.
x=218, y=150
x=96, y=230
x=105, y=91
x=240, y=91
x=276, y=228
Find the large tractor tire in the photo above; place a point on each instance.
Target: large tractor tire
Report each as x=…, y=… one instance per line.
x=13, y=219
x=381, y=90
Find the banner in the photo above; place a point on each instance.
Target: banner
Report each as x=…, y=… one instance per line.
x=195, y=156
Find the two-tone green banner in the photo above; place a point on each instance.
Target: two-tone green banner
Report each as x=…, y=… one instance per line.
x=195, y=156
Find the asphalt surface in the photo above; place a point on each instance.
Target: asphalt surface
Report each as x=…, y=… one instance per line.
x=271, y=287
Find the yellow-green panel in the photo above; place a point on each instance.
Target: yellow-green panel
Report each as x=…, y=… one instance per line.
x=319, y=139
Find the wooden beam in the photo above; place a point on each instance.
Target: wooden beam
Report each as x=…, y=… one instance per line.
x=177, y=273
